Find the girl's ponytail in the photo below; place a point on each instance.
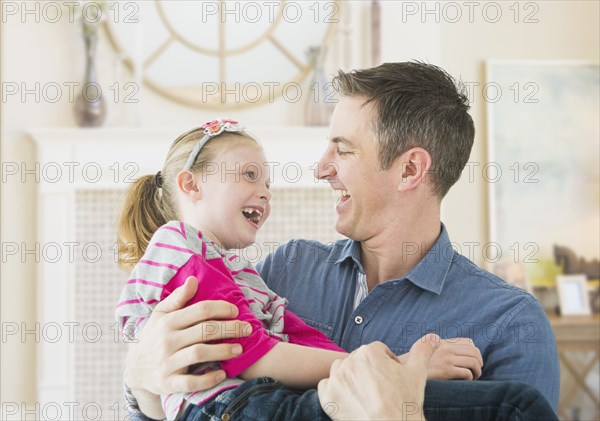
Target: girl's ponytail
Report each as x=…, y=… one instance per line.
x=142, y=213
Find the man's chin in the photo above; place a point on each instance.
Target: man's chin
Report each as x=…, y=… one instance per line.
x=343, y=229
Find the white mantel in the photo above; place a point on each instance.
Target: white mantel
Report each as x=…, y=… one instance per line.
x=101, y=158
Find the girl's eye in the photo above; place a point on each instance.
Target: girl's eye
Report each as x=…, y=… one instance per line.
x=250, y=175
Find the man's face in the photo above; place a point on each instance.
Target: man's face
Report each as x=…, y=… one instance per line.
x=350, y=164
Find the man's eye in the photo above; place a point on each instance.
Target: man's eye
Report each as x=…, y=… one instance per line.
x=342, y=153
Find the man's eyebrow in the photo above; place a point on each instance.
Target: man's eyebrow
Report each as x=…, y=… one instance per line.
x=341, y=139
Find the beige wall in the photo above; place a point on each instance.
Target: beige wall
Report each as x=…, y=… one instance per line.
x=47, y=52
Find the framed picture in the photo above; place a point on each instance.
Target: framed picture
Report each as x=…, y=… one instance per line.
x=542, y=171
x=573, y=295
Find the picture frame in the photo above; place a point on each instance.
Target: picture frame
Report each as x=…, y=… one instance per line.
x=573, y=295
x=536, y=198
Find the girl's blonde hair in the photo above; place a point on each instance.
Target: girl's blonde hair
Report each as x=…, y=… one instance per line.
x=147, y=207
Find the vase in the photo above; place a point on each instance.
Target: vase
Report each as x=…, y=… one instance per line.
x=90, y=106
x=321, y=101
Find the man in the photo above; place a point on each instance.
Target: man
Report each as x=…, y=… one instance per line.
x=399, y=139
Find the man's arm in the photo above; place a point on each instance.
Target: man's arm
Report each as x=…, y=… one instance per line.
x=134, y=413
x=173, y=339
x=524, y=349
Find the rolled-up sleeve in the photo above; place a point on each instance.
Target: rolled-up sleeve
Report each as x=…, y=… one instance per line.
x=216, y=283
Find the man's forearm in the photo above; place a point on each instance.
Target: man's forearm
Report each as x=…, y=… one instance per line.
x=142, y=405
x=139, y=399
x=148, y=403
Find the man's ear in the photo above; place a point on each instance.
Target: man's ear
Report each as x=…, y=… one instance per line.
x=413, y=169
x=188, y=185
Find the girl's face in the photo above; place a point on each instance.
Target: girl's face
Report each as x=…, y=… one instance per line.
x=235, y=195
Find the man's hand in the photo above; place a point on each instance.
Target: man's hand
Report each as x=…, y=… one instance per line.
x=372, y=384
x=175, y=337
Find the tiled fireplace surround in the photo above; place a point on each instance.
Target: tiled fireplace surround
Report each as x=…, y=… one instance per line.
x=83, y=174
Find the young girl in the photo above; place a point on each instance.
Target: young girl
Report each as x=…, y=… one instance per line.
x=212, y=196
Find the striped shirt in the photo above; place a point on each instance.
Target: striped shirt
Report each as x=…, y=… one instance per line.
x=362, y=290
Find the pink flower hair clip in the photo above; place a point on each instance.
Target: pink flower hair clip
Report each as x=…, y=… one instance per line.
x=212, y=129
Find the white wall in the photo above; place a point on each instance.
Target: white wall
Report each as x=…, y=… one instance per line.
x=50, y=52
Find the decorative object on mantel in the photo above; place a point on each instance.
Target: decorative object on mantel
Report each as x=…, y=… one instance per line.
x=90, y=106
x=572, y=265
x=321, y=98
x=594, y=292
x=572, y=295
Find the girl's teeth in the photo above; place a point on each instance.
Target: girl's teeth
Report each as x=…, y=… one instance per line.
x=252, y=210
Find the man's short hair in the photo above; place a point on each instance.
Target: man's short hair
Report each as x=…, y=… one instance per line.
x=417, y=105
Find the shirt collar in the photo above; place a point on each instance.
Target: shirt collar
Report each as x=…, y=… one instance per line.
x=429, y=274
x=351, y=250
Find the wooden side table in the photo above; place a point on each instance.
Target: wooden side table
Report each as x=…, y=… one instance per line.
x=577, y=334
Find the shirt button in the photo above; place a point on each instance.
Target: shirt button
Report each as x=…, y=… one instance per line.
x=358, y=320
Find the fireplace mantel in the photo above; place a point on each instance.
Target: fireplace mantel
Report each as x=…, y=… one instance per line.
x=101, y=158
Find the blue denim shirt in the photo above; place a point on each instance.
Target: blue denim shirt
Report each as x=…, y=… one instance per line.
x=444, y=293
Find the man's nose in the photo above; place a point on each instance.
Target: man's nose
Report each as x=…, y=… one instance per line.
x=326, y=167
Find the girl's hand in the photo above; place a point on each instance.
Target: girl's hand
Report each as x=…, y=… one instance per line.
x=454, y=359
